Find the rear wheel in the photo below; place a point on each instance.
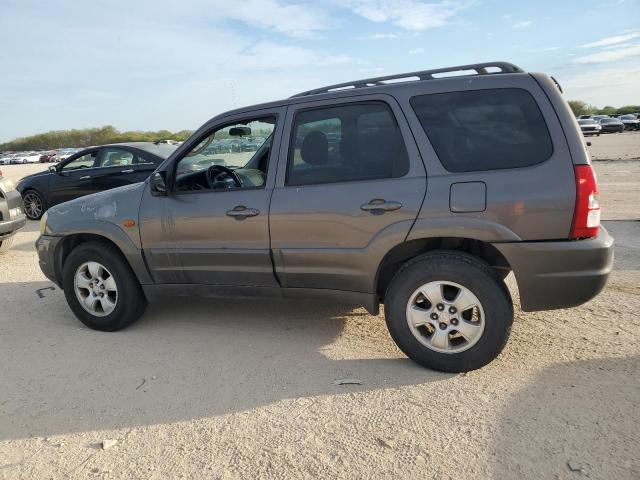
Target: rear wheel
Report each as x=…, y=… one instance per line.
x=101, y=288
x=448, y=311
x=34, y=205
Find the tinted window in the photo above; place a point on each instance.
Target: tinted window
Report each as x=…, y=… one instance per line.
x=484, y=129
x=346, y=143
x=85, y=161
x=116, y=157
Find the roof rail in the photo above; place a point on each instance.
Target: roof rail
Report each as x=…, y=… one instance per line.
x=479, y=68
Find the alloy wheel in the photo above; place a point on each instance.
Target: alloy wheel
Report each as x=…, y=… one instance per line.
x=445, y=317
x=95, y=289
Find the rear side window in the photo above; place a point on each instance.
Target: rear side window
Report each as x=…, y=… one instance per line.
x=115, y=157
x=484, y=129
x=358, y=141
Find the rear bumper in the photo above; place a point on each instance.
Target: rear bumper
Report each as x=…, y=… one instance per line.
x=46, y=248
x=559, y=274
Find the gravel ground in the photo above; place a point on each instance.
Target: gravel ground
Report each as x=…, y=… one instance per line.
x=244, y=389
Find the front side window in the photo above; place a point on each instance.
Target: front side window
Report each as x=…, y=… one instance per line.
x=359, y=141
x=233, y=156
x=484, y=129
x=84, y=161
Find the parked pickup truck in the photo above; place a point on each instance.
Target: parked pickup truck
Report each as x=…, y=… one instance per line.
x=12, y=217
x=416, y=192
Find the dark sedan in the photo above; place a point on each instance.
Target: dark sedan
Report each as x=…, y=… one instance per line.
x=89, y=171
x=611, y=125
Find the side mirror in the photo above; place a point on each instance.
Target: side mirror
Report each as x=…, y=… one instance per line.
x=53, y=169
x=158, y=184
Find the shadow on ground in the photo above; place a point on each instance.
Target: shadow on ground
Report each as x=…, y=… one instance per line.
x=578, y=413
x=185, y=359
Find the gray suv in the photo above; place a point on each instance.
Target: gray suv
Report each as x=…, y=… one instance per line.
x=420, y=191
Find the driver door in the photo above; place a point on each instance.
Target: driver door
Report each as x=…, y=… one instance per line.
x=216, y=233
x=73, y=178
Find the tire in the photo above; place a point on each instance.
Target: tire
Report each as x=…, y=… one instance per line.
x=130, y=301
x=34, y=204
x=491, y=320
x=5, y=244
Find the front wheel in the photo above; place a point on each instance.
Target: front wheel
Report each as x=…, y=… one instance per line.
x=448, y=311
x=100, y=287
x=34, y=205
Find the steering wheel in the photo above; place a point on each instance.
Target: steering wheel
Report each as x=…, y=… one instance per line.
x=215, y=172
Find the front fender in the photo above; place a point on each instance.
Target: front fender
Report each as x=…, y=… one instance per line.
x=103, y=214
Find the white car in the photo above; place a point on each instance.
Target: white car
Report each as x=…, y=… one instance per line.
x=6, y=159
x=27, y=157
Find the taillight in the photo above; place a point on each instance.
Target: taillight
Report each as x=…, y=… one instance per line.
x=586, y=216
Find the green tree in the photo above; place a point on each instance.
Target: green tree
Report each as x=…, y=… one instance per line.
x=88, y=137
x=578, y=107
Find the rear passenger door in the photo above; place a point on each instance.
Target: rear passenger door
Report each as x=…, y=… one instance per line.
x=349, y=186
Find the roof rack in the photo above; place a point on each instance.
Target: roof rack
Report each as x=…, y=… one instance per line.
x=479, y=68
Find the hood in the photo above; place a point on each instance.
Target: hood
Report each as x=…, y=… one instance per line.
x=93, y=213
x=34, y=175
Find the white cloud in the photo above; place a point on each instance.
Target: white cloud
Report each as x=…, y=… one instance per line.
x=610, y=86
x=290, y=19
x=408, y=14
x=610, y=55
x=416, y=51
x=612, y=40
x=379, y=36
x=545, y=49
x=522, y=24
x=269, y=55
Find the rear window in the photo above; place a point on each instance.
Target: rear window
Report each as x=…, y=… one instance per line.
x=484, y=129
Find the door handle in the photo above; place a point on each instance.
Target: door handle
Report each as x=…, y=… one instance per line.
x=241, y=212
x=128, y=170
x=86, y=177
x=379, y=205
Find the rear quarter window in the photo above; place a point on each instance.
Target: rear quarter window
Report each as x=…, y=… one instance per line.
x=484, y=129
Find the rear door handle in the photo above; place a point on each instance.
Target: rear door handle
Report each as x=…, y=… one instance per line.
x=379, y=205
x=128, y=170
x=86, y=177
x=240, y=212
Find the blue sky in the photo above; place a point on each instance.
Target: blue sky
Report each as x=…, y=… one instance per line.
x=143, y=64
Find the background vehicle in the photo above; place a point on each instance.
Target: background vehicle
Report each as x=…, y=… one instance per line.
x=88, y=171
x=5, y=159
x=65, y=153
x=630, y=122
x=47, y=157
x=611, y=125
x=589, y=127
x=511, y=188
x=12, y=217
x=27, y=157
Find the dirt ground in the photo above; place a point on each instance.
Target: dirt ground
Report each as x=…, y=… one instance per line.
x=245, y=389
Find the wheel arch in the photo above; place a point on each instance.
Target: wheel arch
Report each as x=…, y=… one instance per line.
x=403, y=252
x=71, y=241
